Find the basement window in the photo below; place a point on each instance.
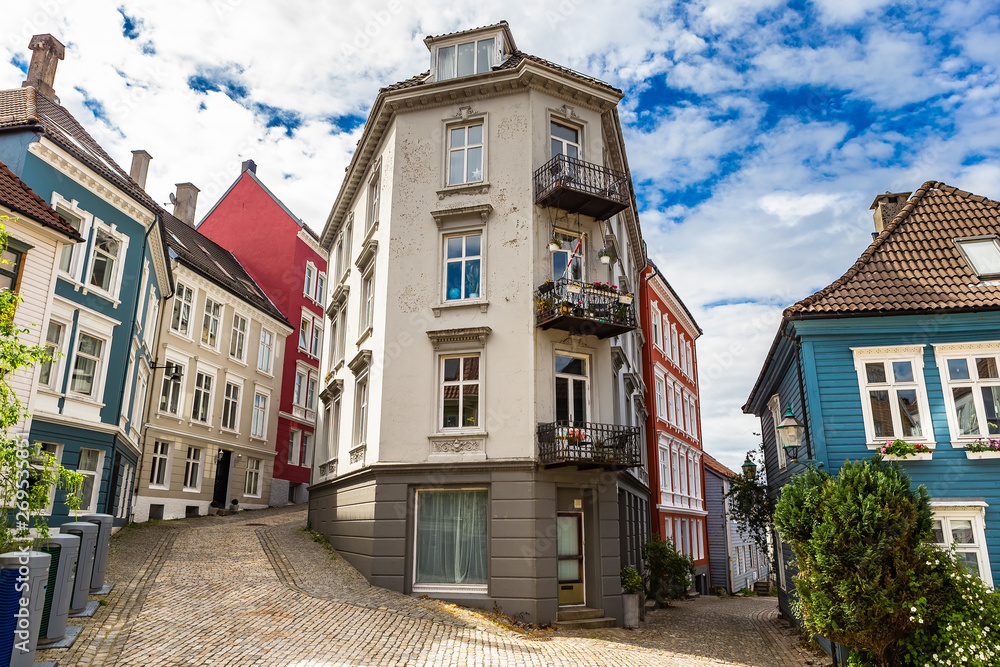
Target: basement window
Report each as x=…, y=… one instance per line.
x=983, y=255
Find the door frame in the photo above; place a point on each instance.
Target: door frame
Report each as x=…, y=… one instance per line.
x=223, y=465
x=582, y=560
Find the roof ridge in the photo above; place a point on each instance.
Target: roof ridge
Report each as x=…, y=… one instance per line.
x=866, y=256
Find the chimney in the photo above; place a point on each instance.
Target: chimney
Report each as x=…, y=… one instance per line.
x=185, y=202
x=140, y=166
x=46, y=52
x=249, y=165
x=887, y=207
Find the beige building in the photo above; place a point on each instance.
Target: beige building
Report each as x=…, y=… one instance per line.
x=213, y=410
x=483, y=403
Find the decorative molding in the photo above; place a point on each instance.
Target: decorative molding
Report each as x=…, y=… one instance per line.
x=332, y=390
x=340, y=294
x=471, y=189
x=358, y=454
x=328, y=469
x=483, y=210
x=367, y=255
x=361, y=362
x=970, y=346
x=470, y=335
x=618, y=358
x=483, y=306
x=890, y=350
x=465, y=444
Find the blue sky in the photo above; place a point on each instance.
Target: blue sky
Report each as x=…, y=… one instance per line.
x=758, y=131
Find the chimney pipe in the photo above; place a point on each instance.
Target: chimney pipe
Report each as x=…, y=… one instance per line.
x=140, y=167
x=46, y=52
x=887, y=207
x=185, y=202
x=249, y=165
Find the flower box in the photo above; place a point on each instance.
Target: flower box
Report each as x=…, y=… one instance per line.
x=916, y=456
x=989, y=454
x=574, y=288
x=625, y=299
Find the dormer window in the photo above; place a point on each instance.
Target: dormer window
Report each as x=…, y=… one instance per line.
x=465, y=59
x=983, y=255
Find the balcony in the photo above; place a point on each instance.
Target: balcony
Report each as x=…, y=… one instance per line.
x=583, y=309
x=588, y=445
x=581, y=187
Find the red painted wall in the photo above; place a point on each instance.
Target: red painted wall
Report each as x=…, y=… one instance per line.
x=264, y=238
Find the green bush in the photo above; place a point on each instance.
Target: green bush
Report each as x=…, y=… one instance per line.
x=631, y=581
x=668, y=574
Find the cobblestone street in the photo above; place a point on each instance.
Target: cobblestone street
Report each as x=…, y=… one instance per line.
x=254, y=589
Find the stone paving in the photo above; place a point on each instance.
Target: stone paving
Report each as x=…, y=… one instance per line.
x=254, y=589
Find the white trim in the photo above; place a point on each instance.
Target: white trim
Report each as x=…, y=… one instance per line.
x=975, y=511
x=774, y=405
x=886, y=354
x=945, y=352
x=449, y=588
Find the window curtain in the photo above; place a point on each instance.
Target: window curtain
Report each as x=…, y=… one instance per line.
x=451, y=537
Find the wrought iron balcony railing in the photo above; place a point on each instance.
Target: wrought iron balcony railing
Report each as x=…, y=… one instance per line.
x=584, y=308
x=588, y=445
x=581, y=187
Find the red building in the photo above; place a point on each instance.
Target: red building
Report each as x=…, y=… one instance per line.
x=285, y=259
x=673, y=429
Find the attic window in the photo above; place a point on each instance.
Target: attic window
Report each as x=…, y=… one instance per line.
x=465, y=59
x=983, y=255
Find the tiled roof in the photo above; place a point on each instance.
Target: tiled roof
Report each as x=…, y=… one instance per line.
x=711, y=462
x=206, y=257
x=914, y=264
x=18, y=197
x=501, y=24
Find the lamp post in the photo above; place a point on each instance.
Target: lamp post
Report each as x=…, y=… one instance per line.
x=749, y=468
x=792, y=434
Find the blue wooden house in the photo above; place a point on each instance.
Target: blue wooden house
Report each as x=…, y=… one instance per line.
x=106, y=293
x=904, y=345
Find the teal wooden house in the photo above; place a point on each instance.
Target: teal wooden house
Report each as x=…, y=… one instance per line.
x=106, y=294
x=905, y=345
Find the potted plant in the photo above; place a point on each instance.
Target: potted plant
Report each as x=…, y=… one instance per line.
x=900, y=450
x=546, y=287
x=625, y=298
x=544, y=303
x=234, y=505
x=605, y=256
x=555, y=244
x=983, y=449
x=631, y=584
x=574, y=287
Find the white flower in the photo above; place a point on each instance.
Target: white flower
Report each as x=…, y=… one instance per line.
x=913, y=608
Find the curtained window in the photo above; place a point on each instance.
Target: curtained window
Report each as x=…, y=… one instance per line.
x=451, y=538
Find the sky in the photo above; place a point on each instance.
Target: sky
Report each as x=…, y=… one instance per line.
x=758, y=132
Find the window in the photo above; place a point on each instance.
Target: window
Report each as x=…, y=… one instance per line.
x=192, y=469
x=159, y=465
x=678, y=413
x=962, y=528
x=567, y=262
x=367, y=300
x=305, y=328
x=894, y=402
x=565, y=140
x=657, y=323
x=334, y=432
x=264, y=352
x=451, y=539
x=139, y=399
x=210, y=323
x=361, y=411
x=462, y=261
x=341, y=334
x=661, y=403
x=104, y=261
x=86, y=364
x=311, y=394
x=465, y=154
x=230, y=406
x=321, y=287
x=299, y=389
x=460, y=392
x=682, y=358
x=48, y=375
x=673, y=342
x=39, y=462
x=170, y=394
x=983, y=255
x=90, y=467
x=309, y=288
x=304, y=451
x=202, y=405
x=180, y=318
x=152, y=315
x=374, y=189
x=294, y=438
x=316, y=343
x=237, y=344
x=10, y=269
x=66, y=258
x=339, y=266
x=572, y=388
x=972, y=393
x=465, y=59
x=258, y=425
x=252, y=485
x=774, y=405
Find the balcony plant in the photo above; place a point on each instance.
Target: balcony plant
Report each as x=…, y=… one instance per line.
x=546, y=287
x=574, y=287
x=632, y=585
x=555, y=244
x=605, y=256
x=565, y=307
x=984, y=448
x=900, y=450
x=625, y=297
x=544, y=303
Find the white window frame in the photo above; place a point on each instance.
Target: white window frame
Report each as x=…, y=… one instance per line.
x=197, y=462
x=366, y=316
x=439, y=75
x=259, y=414
x=316, y=338
x=461, y=261
x=152, y=313
x=374, y=200
x=100, y=368
x=253, y=473
x=77, y=251
x=441, y=587
x=944, y=353
x=114, y=288
x=304, y=450
x=139, y=397
x=164, y=380
x=266, y=349
x=461, y=384
x=229, y=403
x=464, y=150
x=657, y=322
x=340, y=351
x=974, y=511
x=294, y=442
x=209, y=392
x=97, y=475
x=178, y=303
x=309, y=286
x=58, y=459
x=774, y=405
x=58, y=353
x=673, y=344
x=887, y=355
x=566, y=142
x=362, y=408
x=661, y=399
x=320, y=288
x=235, y=336
x=206, y=316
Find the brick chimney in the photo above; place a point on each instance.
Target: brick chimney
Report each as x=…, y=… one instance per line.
x=887, y=207
x=249, y=165
x=140, y=167
x=185, y=202
x=46, y=52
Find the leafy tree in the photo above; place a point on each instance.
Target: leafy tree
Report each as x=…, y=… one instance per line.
x=668, y=573
x=27, y=475
x=861, y=545
x=749, y=504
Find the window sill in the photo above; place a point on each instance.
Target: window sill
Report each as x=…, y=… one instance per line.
x=238, y=361
x=207, y=425
x=187, y=490
x=167, y=415
x=477, y=188
x=249, y=496
x=82, y=398
x=482, y=304
x=205, y=346
x=266, y=373
x=257, y=438
x=364, y=337
x=88, y=289
x=982, y=455
x=444, y=589
x=369, y=233
x=158, y=487
x=227, y=431
x=178, y=334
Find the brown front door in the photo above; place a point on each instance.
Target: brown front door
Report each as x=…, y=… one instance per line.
x=569, y=529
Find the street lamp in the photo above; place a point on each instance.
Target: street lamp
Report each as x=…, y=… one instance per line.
x=792, y=433
x=749, y=468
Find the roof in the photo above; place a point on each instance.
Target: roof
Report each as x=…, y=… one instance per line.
x=914, y=264
x=493, y=26
x=207, y=258
x=18, y=197
x=270, y=194
x=711, y=462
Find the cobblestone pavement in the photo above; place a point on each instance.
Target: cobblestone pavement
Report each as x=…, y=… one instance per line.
x=254, y=589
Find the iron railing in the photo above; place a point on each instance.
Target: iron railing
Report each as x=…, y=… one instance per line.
x=571, y=183
x=589, y=444
x=594, y=308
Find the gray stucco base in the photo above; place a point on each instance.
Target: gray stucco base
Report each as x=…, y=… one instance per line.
x=279, y=493
x=368, y=517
